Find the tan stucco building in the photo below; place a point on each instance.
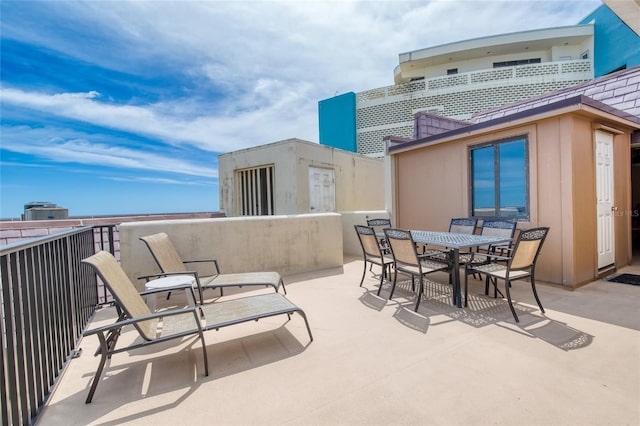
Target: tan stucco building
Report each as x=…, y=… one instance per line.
x=573, y=173
x=295, y=176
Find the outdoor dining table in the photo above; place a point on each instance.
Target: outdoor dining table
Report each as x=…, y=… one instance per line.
x=454, y=242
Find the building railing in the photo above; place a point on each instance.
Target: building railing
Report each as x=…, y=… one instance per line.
x=47, y=299
x=581, y=69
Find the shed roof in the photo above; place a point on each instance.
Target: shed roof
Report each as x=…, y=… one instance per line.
x=620, y=90
x=542, y=109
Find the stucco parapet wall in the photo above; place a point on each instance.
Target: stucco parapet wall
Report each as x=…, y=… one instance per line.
x=286, y=244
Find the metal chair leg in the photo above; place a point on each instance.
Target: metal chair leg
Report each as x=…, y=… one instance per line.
x=513, y=311
x=363, y=273
x=393, y=286
x=466, y=285
x=535, y=293
x=382, y=275
x=419, y=292
x=104, y=355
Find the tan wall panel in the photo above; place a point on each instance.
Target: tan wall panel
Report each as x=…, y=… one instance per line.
x=622, y=198
x=584, y=203
x=431, y=187
x=552, y=156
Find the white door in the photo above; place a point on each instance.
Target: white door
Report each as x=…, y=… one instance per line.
x=322, y=190
x=604, y=198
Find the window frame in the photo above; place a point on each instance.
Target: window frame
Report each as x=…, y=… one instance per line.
x=526, y=216
x=255, y=189
x=517, y=62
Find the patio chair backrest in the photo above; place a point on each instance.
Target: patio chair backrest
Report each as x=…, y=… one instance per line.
x=463, y=225
x=402, y=246
x=123, y=291
x=368, y=240
x=379, y=222
x=164, y=252
x=527, y=248
x=498, y=228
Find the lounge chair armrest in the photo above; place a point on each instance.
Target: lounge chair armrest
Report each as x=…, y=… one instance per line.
x=130, y=321
x=167, y=289
x=214, y=261
x=166, y=274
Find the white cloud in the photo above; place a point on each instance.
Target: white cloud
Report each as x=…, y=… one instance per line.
x=274, y=60
x=249, y=125
x=161, y=181
x=77, y=148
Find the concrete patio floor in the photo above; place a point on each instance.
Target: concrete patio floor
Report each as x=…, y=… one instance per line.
x=375, y=362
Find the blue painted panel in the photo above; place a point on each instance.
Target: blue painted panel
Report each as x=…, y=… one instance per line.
x=337, y=121
x=616, y=45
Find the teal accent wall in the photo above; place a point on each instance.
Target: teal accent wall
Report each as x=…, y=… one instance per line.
x=337, y=122
x=616, y=45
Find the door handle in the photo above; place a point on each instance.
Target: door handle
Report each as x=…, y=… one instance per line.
x=614, y=208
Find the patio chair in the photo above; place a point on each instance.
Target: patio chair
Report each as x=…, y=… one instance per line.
x=460, y=225
x=373, y=252
x=156, y=327
x=463, y=225
x=407, y=260
x=378, y=226
x=170, y=263
x=498, y=228
x=519, y=265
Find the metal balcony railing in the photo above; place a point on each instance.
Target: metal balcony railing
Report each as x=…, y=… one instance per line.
x=47, y=299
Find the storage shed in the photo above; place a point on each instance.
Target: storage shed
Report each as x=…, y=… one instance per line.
x=566, y=165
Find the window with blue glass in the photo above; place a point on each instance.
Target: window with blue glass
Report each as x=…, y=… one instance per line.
x=499, y=179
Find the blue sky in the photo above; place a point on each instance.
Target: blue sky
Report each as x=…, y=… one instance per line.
x=118, y=107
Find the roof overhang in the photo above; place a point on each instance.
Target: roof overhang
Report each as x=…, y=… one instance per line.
x=578, y=104
x=503, y=44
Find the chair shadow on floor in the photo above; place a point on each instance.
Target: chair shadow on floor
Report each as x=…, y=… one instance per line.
x=437, y=308
x=371, y=300
x=178, y=371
